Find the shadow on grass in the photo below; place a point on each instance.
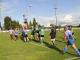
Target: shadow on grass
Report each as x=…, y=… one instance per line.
x=35, y=41
x=60, y=41
x=57, y=49
x=53, y=47
x=71, y=54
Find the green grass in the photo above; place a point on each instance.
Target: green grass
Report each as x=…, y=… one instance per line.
x=18, y=50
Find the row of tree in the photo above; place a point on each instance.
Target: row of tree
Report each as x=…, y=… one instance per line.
x=33, y=23
x=9, y=23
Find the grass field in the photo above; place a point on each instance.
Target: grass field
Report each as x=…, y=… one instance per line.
x=18, y=50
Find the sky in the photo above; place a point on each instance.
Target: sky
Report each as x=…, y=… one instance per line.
x=42, y=10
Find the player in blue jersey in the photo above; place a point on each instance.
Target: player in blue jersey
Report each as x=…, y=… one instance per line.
x=24, y=35
x=70, y=40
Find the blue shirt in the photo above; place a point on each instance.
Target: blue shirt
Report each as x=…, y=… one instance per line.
x=68, y=34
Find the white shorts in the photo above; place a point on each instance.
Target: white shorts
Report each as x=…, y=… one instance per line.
x=52, y=39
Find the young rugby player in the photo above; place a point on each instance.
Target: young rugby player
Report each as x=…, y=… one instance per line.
x=41, y=35
x=11, y=32
x=24, y=34
x=16, y=33
x=53, y=35
x=70, y=40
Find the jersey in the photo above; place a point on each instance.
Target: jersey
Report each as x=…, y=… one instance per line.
x=53, y=34
x=70, y=39
x=16, y=32
x=68, y=34
x=42, y=32
x=24, y=32
x=11, y=31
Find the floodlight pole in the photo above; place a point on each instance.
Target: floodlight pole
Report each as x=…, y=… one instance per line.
x=29, y=10
x=55, y=15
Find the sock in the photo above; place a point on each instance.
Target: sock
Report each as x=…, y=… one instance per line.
x=77, y=51
x=41, y=40
x=65, y=49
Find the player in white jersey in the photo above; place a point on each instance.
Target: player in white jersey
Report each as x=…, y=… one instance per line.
x=11, y=32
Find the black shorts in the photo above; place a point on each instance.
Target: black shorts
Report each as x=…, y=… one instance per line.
x=52, y=37
x=16, y=36
x=41, y=35
x=25, y=35
x=37, y=31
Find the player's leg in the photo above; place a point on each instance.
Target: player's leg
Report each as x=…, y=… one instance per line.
x=65, y=48
x=54, y=41
x=24, y=39
x=35, y=36
x=41, y=40
x=76, y=50
x=27, y=38
x=16, y=37
x=11, y=36
x=38, y=36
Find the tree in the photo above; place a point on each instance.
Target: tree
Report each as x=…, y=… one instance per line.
x=30, y=24
x=15, y=24
x=18, y=25
x=7, y=22
x=34, y=22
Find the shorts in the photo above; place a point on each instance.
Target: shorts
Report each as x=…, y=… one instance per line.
x=52, y=39
x=41, y=35
x=16, y=36
x=25, y=35
x=37, y=31
x=70, y=42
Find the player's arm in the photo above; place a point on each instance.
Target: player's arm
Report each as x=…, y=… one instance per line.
x=65, y=38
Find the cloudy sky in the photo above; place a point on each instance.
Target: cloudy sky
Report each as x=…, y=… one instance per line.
x=42, y=10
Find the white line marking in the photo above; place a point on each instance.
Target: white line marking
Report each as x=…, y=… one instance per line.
x=72, y=58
